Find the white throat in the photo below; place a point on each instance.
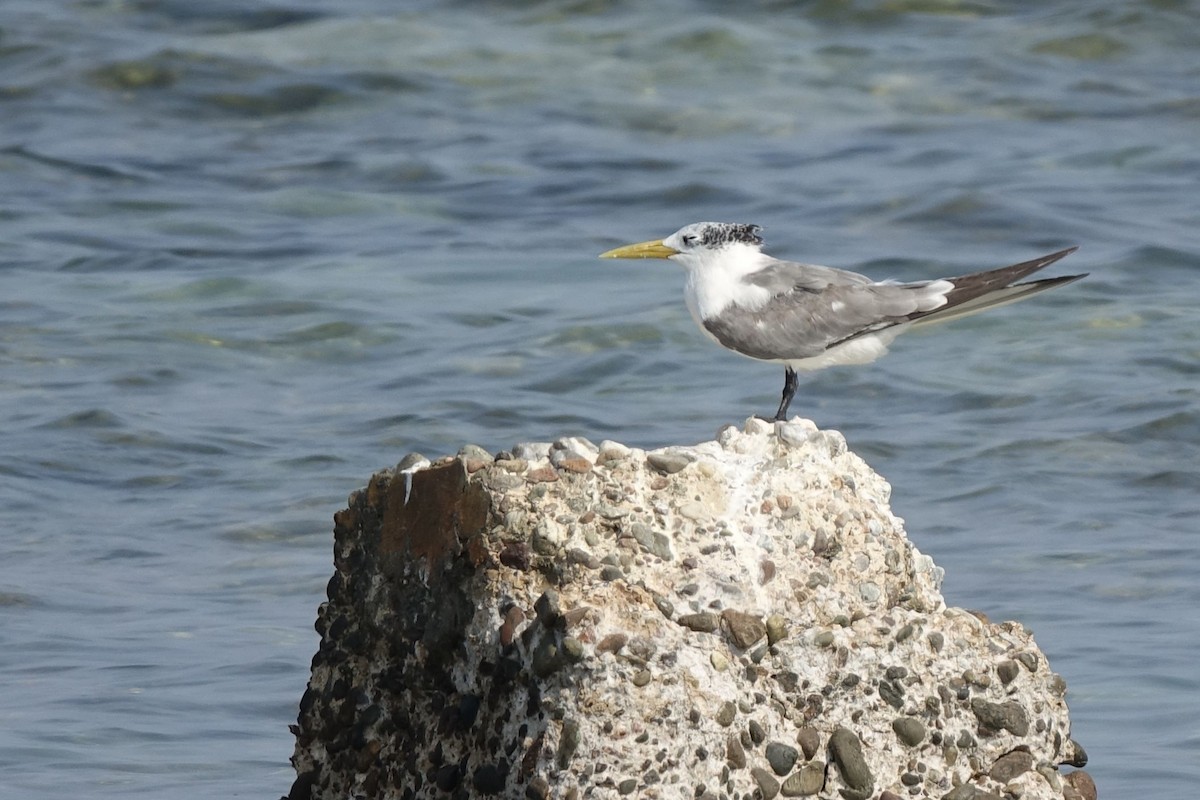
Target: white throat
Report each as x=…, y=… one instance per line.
x=714, y=279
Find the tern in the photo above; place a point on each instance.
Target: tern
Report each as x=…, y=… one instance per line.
x=809, y=317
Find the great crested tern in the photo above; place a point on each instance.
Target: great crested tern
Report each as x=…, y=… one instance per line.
x=809, y=317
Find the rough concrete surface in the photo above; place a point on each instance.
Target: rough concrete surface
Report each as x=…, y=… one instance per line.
x=738, y=619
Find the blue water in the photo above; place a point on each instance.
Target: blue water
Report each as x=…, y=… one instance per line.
x=251, y=252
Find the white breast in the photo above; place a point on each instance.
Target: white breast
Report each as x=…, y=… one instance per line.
x=714, y=280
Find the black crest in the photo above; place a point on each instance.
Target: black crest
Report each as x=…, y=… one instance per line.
x=721, y=233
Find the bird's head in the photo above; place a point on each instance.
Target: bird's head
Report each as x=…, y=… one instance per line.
x=693, y=245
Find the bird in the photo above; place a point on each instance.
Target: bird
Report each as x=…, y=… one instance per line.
x=809, y=317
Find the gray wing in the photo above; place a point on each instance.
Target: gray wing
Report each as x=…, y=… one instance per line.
x=782, y=277
x=813, y=308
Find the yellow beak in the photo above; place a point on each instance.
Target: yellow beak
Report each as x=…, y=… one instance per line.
x=655, y=249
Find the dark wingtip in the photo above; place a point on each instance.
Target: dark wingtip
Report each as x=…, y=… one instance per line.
x=1046, y=261
x=1060, y=280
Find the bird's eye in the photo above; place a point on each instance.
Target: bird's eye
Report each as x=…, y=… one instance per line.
x=689, y=239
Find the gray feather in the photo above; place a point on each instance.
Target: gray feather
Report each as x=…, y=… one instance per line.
x=814, y=308
x=804, y=323
x=979, y=291
x=782, y=277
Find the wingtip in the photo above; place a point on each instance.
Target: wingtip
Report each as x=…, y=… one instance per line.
x=1047, y=260
x=1060, y=280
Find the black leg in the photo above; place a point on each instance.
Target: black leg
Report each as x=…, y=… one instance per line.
x=789, y=391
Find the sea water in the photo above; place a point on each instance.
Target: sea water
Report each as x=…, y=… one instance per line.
x=252, y=252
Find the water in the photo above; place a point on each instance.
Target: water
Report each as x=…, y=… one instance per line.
x=253, y=252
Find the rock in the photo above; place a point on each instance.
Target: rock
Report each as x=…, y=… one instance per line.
x=611, y=452
x=568, y=742
x=776, y=628
x=892, y=693
x=531, y=451
x=968, y=791
x=516, y=555
x=734, y=752
x=653, y=541
x=546, y=659
x=794, y=433
x=576, y=464
x=703, y=622
x=610, y=573
x=474, y=457
x=612, y=643
x=847, y=753
x=669, y=462
x=448, y=777
x=909, y=730
x=1082, y=783
x=566, y=620
x=1075, y=756
x=548, y=608
x=1001, y=716
x=1011, y=765
x=766, y=782
x=489, y=779
x=808, y=780
x=744, y=629
x=541, y=475
x=575, y=445
x=809, y=741
x=538, y=789
x=781, y=757
x=572, y=649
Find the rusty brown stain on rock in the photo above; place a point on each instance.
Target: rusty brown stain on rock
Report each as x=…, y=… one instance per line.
x=576, y=465
x=508, y=629
x=572, y=617
x=744, y=629
x=345, y=520
x=541, y=475
x=377, y=489
x=612, y=643
x=477, y=551
x=444, y=509
x=516, y=555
